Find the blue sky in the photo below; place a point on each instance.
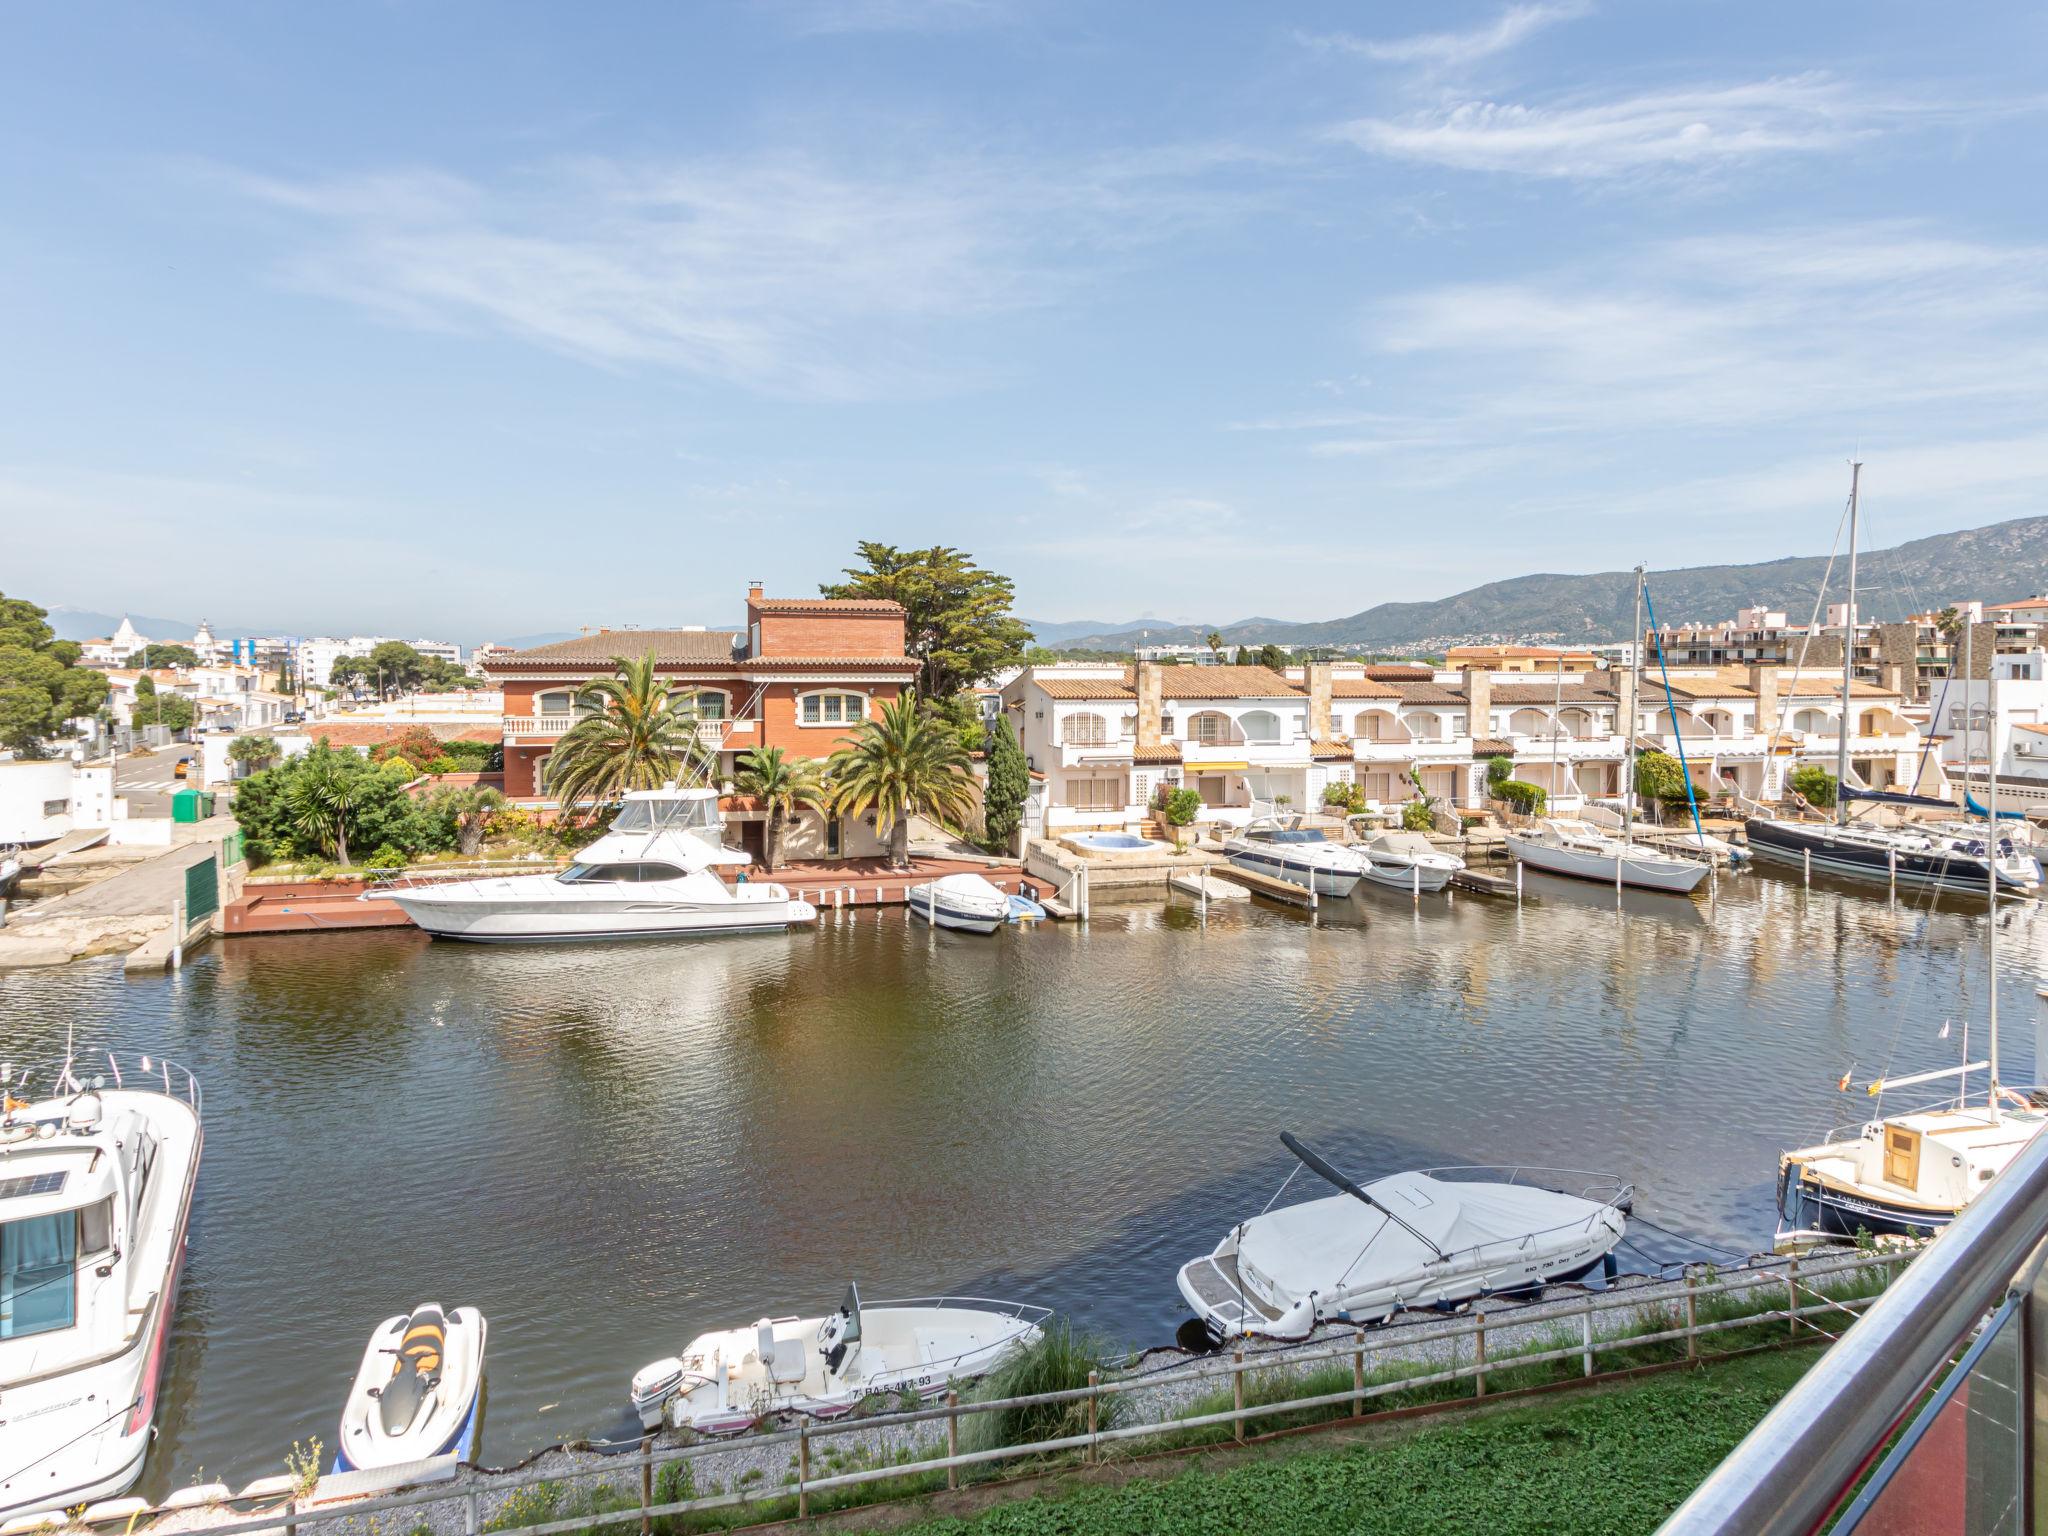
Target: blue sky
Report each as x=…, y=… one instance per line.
x=499, y=318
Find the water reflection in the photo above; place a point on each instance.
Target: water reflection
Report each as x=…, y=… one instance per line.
x=609, y=1148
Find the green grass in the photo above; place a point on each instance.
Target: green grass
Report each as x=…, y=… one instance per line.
x=1058, y=1362
x=1615, y=1461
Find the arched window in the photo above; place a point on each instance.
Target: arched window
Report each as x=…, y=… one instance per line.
x=1813, y=721
x=1529, y=722
x=832, y=709
x=1085, y=729
x=1577, y=723
x=1212, y=728
x=1260, y=725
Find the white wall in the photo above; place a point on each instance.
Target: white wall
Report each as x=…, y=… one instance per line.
x=41, y=801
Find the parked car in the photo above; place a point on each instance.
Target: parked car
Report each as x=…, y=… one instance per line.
x=293, y=716
x=184, y=767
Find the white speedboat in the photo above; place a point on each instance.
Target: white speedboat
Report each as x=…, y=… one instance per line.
x=724, y=1382
x=1408, y=861
x=650, y=876
x=963, y=901
x=96, y=1190
x=416, y=1393
x=1436, y=1237
x=1300, y=855
x=1561, y=846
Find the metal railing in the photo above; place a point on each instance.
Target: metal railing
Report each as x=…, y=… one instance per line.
x=1795, y=1468
x=1802, y=1298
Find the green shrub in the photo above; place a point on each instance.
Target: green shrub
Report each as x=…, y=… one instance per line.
x=1498, y=771
x=1058, y=1362
x=1337, y=794
x=1530, y=799
x=1416, y=816
x=445, y=764
x=1180, y=806
x=1659, y=776
x=1815, y=785
x=386, y=857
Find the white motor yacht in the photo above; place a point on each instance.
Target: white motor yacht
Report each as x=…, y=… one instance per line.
x=650, y=876
x=1560, y=845
x=96, y=1187
x=1303, y=856
x=726, y=1381
x=964, y=901
x=1408, y=861
x=1429, y=1238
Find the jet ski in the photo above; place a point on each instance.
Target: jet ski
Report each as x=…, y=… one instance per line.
x=416, y=1394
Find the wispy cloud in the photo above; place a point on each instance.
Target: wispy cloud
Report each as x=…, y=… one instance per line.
x=1678, y=130
x=774, y=272
x=1448, y=49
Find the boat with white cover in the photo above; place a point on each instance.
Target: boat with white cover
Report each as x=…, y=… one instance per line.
x=726, y=1381
x=1303, y=856
x=1560, y=845
x=97, y=1174
x=650, y=876
x=964, y=901
x=416, y=1393
x=1408, y=861
x=1429, y=1238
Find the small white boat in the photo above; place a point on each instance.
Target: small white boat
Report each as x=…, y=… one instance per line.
x=416, y=1393
x=1561, y=846
x=725, y=1382
x=1300, y=855
x=964, y=901
x=651, y=876
x=1024, y=910
x=1408, y=861
x=1430, y=1238
x=96, y=1188
x=1201, y=884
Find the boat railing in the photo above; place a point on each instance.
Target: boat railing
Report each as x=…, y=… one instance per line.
x=1593, y=1181
x=1021, y=1310
x=1852, y=1129
x=81, y=1074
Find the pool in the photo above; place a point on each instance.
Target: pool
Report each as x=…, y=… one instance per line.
x=1113, y=842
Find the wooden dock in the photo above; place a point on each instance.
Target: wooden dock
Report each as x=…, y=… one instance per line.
x=1268, y=886
x=1482, y=882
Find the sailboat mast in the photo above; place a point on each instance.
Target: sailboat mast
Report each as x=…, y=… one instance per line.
x=1991, y=860
x=1635, y=709
x=1848, y=657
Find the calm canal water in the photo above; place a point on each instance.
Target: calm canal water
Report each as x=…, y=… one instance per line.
x=608, y=1149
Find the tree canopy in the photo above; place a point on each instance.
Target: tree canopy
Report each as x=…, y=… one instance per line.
x=1009, y=782
x=154, y=655
x=905, y=762
x=42, y=687
x=397, y=668
x=958, y=624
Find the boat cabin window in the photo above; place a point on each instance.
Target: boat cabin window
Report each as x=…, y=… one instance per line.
x=1295, y=835
x=38, y=1292
x=96, y=1228
x=694, y=814
x=618, y=874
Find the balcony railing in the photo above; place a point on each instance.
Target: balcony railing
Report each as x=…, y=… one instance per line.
x=712, y=733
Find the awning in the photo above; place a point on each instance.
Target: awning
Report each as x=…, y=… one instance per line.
x=1218, y=767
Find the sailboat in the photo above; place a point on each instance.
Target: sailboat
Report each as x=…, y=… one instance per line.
x=1915, y=856
x=1560, y=845
x=1911, y=1174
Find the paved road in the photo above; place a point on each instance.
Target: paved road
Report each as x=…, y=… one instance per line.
x=147, y=783
x=147, y=888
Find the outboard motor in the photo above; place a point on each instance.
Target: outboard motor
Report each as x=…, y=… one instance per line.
x=416, y=1372
x=832, y=1340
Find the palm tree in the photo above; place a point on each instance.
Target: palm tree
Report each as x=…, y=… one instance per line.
x=904, y=763
x=322, y=800
x=633, y=735
x=259, y=752
x=783, y=785
x=1214, y=640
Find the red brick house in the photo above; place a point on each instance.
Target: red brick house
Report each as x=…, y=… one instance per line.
x=802, y=674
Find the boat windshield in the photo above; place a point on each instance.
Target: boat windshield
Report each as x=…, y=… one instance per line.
x=692, y=815
x=38, y=1293
x=618, y=874
x=849, y=1308
x=1297, y=835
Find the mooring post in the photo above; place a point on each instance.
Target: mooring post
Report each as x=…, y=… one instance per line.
x=1094, y=1380
x=952, y=1436
x=1807, y=855
x=803, y=1471
x=1479, y=1360
x=1358, y=1377
x=1692, y=1316
x=646, y=1483
x=1792, y=1297
x=1891, y=860
x=1237, y=1394
x=1415, y=882
x=1518, y=880
x=1586, y=1335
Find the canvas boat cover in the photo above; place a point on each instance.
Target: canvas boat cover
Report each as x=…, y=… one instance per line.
x=1409, y=844
x=1316, y=1246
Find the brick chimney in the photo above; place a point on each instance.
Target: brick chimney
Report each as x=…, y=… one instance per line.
x=1151, y=694
x=1316, y=680
x=1478, y=701
x=1764, y=679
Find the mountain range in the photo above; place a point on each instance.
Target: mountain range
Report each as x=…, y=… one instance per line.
x=1999, y=562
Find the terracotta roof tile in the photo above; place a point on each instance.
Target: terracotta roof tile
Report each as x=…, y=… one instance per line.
x=1573, y=692
x=1396, y=672
x=669, y=646
x=1084, y=688
x=1165, y=752
x=1330, y=750
x=1224, y=683
x=1362, y=688
x=1486, y=746
x=877, y=605
x=1428, y=693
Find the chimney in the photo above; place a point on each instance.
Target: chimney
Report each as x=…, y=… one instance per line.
x=1316, y=679
x=1478, y=701
x=754, y=592
x=1151, y=693
x=1764, y=680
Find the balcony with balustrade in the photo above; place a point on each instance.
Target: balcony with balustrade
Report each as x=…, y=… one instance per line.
x=717, y=735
